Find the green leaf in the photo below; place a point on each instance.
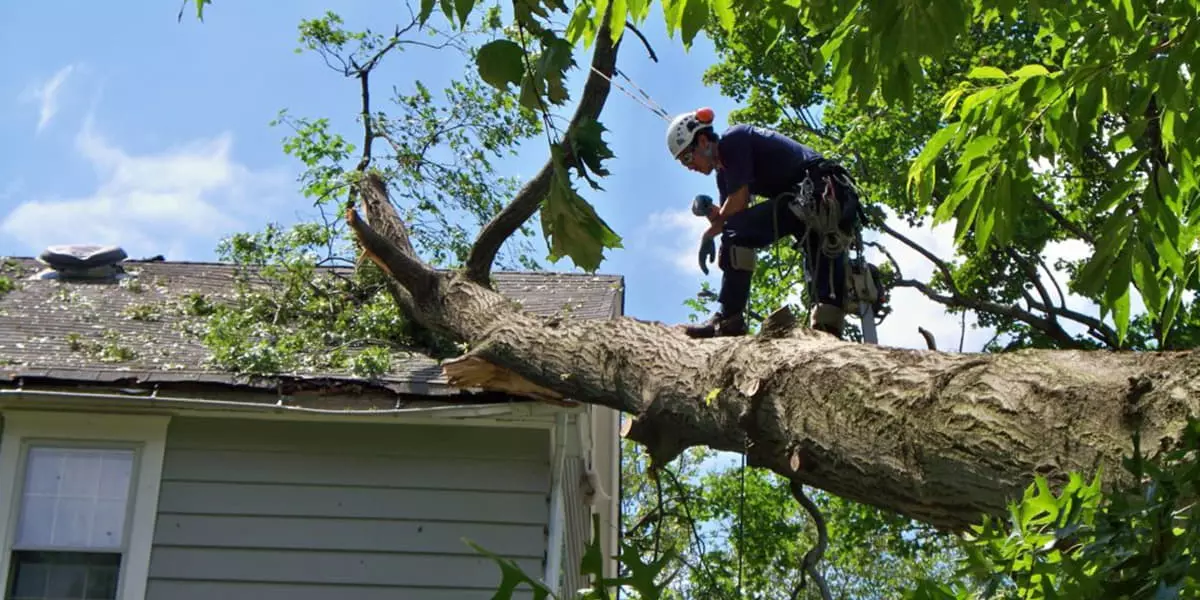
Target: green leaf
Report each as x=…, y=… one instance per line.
x=725, y=15
x=638, y=10
x=1122, y=142
x=552, y=65
x=426, y=10
x=928, y=155
x=200, y=4
x=616, y=21
x=695, y=14
x=950, y=100
x=1030, y=71
x=511, y=576
x=589, y=148
x=987, y=216
x=1145, y=277
x=570, y=225
x=1126, y=164
x=1117, y=193
x=986, y=73
x=1116, y=295
x=581, y=27
x=501, y=62
x=1113, y=236
x=1172, y=306
x=463, y=8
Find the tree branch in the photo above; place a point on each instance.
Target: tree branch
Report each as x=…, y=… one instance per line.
x=1062, y=299
x=391, y=249
x=960, y=300
x=645, y=42
x=939, y=437
x=813, y=556
x=930, y=341
x=1031, y=272
x=525, y=204
x=1066, y=223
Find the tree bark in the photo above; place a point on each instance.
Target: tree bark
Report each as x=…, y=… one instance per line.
x=939, y=437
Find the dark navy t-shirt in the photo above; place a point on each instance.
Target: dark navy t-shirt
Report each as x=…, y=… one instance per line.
x=767, y=161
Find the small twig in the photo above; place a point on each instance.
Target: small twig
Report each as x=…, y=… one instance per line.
x=645, y=42
x=1032, y=273
x=695, y=533
x=891, y=259
x=1062, y=299
x=1066, y=223
x=814, y=554
x=931, y=257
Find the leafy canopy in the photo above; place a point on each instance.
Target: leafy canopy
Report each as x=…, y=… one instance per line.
x=1116, y=75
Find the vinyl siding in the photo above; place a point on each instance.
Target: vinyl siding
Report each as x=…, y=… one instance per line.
x=253, y=509
x=578, y=528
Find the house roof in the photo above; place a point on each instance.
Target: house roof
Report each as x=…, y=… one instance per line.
x=47, y=328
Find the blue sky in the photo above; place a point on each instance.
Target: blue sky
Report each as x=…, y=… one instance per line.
x=129, y=127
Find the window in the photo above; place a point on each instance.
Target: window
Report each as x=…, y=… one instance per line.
x=80, y=492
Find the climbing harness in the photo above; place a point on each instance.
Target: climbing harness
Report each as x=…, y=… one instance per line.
x=824, y=217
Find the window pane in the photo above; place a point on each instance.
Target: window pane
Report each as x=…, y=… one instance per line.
x=75, y=498
x=64, y=575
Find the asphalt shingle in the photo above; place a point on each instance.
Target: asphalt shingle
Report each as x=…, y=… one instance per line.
x=59, y=330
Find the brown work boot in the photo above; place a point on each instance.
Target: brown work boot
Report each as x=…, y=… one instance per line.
x=717, y=326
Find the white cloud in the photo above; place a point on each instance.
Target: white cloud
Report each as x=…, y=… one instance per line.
x=1072, y=251
x=176, y=202
x=910, y=308
x=45, y=93
x=673, y=236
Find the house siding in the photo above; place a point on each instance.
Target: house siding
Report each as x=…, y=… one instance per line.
x=578, y=528
x=256, y=509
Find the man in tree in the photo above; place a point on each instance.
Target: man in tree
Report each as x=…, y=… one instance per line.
x=806, y=196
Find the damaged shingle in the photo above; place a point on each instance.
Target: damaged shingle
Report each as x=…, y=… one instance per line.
x=144, y=327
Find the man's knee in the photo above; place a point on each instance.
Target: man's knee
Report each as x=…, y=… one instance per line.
x=738, y=258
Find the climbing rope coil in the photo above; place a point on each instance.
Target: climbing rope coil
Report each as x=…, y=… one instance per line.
x=823, y=215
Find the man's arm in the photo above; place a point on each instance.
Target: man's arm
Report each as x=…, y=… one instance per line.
x=734, y=204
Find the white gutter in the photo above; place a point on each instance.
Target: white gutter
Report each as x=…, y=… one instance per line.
x=554, y=534
x=449, y=411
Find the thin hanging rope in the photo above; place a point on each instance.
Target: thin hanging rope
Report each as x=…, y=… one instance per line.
x=742, y=527
x=647, y=102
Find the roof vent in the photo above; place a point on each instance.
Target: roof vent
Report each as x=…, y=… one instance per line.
x=82, y=262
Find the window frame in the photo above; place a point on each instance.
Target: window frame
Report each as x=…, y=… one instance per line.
x=145, y=434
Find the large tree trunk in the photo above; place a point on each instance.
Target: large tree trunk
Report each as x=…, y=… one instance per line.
x=936, y=436
x=939, y=437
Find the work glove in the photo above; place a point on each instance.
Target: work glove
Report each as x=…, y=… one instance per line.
x=702, y=205
x=708, y=249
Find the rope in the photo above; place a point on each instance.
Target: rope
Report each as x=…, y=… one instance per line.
x=820, y=214
x=742, y=527
x=656, y=109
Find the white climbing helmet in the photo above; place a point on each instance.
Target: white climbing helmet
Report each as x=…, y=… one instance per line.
x=683, y=129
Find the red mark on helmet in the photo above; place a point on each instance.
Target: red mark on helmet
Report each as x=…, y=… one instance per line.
x=705, y=115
